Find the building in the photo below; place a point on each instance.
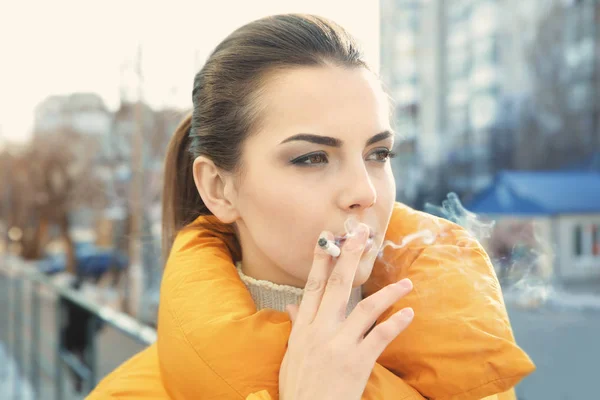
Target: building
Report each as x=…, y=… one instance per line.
x=400, y=27
x=459, y=72
x=582, y=56
x=439, y=62
x=83, y=113
x=552, y=219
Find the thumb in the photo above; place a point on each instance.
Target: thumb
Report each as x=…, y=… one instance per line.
x=292, y=310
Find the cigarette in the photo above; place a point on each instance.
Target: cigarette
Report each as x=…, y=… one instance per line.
x=329, y=246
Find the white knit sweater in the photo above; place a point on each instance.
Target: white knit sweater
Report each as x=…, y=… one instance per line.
x=271, y=295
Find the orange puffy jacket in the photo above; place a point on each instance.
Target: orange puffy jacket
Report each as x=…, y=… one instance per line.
x=213, y=344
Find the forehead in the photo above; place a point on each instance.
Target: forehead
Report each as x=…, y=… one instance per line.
x=327, y=100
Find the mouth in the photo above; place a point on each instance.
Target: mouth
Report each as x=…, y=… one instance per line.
x=340, y=240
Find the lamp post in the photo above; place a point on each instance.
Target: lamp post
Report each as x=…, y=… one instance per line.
x=135, y=269
x=6, y=191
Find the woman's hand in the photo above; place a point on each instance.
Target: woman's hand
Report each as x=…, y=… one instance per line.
x=328, y=355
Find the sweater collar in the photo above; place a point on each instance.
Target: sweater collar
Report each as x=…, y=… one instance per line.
x=274, y=296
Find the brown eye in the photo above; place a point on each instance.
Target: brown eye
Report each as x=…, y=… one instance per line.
x=316, y=159
x=380, y=155
x=311, y=159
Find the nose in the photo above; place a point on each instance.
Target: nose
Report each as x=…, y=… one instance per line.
x=358, y=192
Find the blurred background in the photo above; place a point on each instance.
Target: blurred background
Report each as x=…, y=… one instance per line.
x=497, y=104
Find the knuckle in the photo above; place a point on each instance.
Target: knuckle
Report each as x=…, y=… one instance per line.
x=343, y=356
x=386, y=332
x=336, y=350
x=336, y=279
x=314, y=285
x=351, y=367
x=366, y=307
x=346, y=359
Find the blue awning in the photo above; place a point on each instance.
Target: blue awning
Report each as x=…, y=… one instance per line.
x=540, y=193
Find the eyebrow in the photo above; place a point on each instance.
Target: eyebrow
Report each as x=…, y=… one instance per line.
x=333, y=142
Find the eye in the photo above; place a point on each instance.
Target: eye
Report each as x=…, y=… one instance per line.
x=381, y=155
x=310, y=159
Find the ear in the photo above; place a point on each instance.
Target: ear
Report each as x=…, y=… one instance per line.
x=215, y=189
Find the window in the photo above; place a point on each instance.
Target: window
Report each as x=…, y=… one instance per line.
x=406, y=94
x=405, y=67
x=578, y=238
x=484, y=19
x=586, y=240
x=459, y=37
x=457, y=119
x=484, y=77
x=580, y=53
x=596, y=240
x=458, y=95
x=458, y=10
x=580, y=96
x=485, y=51
x=483, y=110
x=405, y=41
x=409, y=17
x=458, y=62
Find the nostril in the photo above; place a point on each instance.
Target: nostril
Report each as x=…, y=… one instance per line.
x=353, y=206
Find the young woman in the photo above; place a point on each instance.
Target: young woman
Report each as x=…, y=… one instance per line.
x=285, y=155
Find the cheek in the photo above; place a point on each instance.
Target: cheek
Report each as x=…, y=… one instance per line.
x=283, y=218
x=386, y=196
x=386, y=191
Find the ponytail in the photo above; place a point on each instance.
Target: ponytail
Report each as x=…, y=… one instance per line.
x=182, y=203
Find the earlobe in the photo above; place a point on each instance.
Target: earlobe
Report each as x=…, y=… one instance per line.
x=212, y=187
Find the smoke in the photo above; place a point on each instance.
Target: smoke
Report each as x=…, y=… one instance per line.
x=453, y=210
x=521, y=256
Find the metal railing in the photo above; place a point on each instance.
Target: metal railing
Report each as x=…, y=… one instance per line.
x=33, y=312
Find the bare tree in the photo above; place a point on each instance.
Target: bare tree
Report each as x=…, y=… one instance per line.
x=50, y=178
x=556, y=124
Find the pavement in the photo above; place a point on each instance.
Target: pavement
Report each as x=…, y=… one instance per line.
x=563, y=344
x=554, y=297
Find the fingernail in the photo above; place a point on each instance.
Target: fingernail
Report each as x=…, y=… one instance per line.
x=326, y=234
x=405, y=283
x=407, y=313
x=358, y=239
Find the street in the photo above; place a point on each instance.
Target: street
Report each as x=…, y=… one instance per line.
x=564, y=346
x=561, y=342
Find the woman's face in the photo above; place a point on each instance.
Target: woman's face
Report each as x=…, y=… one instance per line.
x=319, y=157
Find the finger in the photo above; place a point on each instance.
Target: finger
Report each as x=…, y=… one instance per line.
x=339, y=284
x=292, y=310
x=315, y=284
x=383, y=334
x=368, y=310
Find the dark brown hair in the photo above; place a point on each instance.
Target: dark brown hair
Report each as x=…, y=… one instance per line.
x=225, y=106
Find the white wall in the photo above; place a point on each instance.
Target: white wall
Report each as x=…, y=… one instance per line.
x=93, y=122
x=573, y=267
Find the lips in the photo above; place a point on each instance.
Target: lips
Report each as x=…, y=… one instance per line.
x=340, y=240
